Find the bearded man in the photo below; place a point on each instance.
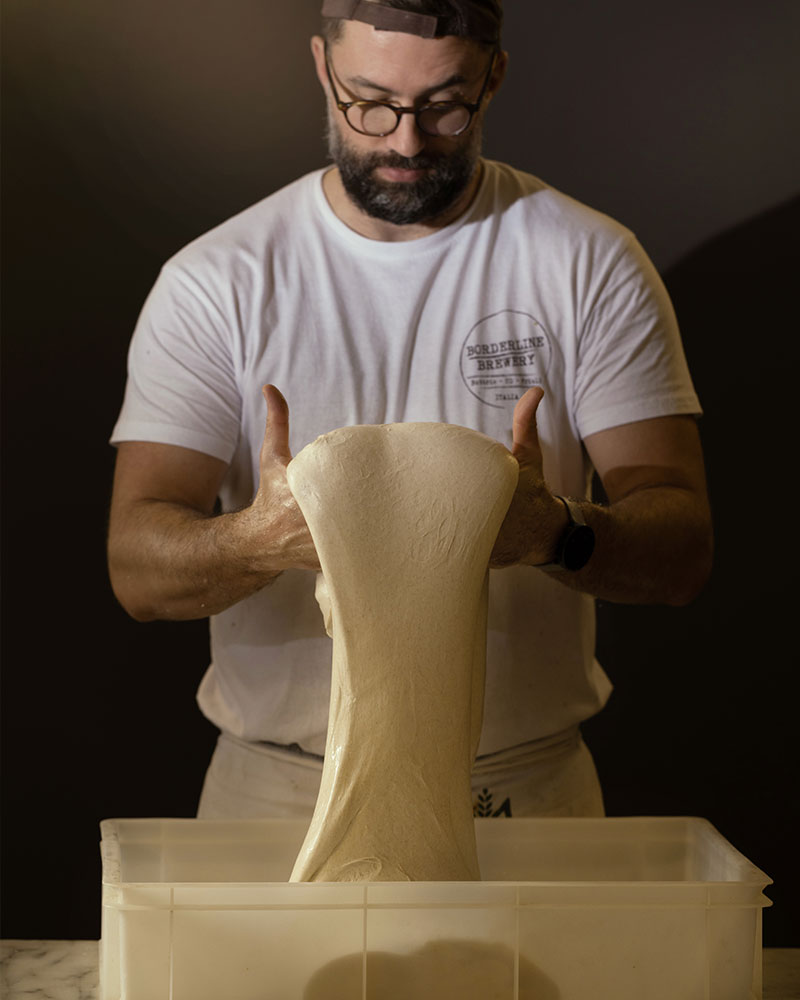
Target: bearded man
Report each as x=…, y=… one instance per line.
x=412, y=280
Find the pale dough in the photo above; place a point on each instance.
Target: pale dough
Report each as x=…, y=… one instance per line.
x=404, y=518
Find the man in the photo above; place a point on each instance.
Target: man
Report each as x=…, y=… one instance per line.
x=411, y=281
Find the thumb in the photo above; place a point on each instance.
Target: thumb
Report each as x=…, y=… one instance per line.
x=276, y=436
x=525, y=435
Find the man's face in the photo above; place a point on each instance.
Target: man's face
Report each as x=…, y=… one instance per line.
x=443, y=178
x=406, y=177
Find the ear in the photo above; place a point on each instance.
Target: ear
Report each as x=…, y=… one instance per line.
x=498, y=73
x=318, y=53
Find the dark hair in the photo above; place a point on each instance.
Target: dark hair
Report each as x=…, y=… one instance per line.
x=451, y=15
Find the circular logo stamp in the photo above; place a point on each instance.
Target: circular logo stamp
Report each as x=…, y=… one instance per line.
x=503, y=355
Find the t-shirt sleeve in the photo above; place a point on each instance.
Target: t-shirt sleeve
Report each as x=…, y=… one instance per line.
x=631, y=364
x=182, y=385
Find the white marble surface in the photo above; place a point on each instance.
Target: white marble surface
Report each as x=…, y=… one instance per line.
x=49, y=970
x=67, y=970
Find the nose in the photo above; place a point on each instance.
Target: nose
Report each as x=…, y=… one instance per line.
x=407, y=140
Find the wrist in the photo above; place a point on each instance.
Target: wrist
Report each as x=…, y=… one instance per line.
x=559, y=522
x=273, y=536
x=249, y=544
x=575, y=544
x=551, y=521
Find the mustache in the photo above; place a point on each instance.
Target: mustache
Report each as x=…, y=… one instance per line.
x=400, y=162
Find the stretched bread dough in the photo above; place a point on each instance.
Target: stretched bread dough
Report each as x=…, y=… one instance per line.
x=404, y=517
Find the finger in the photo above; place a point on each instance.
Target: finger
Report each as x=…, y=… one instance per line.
x=276, y=437
x=525, y=434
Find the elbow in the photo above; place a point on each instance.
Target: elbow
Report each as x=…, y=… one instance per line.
x=687, y=590
x=128, y=595
x=694, y=573
x=138, y=610
x=139, y=613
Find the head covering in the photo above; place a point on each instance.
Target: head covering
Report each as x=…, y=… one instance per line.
x=481, y=19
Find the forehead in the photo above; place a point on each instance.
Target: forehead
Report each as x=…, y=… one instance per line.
x=404, y=63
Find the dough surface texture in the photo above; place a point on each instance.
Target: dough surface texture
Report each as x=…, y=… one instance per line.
x=404, y=518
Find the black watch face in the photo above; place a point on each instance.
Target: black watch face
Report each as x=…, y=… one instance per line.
x=578, y=547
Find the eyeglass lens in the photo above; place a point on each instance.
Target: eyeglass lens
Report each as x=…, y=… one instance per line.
x=378, y=119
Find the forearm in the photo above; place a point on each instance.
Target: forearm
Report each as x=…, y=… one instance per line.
x=168, y=561
x=653, y=546
x=170, y=557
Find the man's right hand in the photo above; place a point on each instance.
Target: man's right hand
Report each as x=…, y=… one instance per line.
x=274, y=506
x=170, y=557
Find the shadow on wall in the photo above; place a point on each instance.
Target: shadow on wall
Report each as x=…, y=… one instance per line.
x=706, y=694
x=736, y=301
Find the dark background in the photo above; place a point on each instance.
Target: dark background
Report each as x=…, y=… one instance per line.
x=129, y=129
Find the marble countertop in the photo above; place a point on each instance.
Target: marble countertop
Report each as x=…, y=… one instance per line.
x=67, y=970
x=49, y=970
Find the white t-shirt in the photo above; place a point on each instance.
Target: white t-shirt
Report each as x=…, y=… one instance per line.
x=528, y=287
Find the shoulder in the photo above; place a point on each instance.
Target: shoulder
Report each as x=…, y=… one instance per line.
x=252, y=233
x=548, y=213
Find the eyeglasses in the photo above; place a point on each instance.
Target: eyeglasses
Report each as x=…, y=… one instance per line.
x=379, y=118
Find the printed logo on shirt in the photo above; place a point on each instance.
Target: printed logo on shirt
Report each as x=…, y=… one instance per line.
x=503, y=355
x=484, y=806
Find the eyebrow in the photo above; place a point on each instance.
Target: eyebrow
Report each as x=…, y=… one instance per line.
x=364, y=83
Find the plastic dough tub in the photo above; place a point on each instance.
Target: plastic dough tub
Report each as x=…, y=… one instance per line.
x=569, y=909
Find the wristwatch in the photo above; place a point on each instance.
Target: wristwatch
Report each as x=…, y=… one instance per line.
x=576, y=545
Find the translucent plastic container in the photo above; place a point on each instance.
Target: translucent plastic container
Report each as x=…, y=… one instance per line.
x=569, y=909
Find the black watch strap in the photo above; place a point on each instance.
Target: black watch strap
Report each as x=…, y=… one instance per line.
x=576, y=544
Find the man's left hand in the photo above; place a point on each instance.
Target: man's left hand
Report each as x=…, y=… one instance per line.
x=535, y=519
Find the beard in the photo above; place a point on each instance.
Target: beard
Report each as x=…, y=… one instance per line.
x=405, y=203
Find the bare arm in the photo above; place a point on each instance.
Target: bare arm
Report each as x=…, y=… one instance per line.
x=653, y=540
x=170, y=557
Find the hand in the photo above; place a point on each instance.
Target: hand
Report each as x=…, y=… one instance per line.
x=535, y=518
x=274, y=505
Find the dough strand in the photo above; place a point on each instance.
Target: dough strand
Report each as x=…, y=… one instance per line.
x=404, y=518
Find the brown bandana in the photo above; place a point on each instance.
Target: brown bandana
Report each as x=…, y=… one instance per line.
x=481, y=24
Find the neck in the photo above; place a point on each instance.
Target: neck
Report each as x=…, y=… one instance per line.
x=378, y=229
